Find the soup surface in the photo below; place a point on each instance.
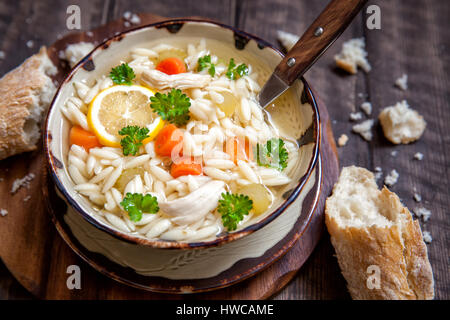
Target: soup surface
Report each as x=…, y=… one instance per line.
x=172, y=143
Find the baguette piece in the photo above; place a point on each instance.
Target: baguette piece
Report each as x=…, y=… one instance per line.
x=369, y=227
x=25, y=94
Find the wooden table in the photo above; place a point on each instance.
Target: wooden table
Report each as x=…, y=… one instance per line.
x=414, y=39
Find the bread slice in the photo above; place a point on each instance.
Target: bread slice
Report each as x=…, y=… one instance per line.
x=369, y=227
x=25, y=94
x=401, y=124
x=352, y=56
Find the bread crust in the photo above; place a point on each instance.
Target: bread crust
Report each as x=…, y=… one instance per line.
x=347, y=66
x=20, y=91
x=397, y=250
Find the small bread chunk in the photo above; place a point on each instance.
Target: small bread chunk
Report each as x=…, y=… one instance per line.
x=364, y=129
x=427, y=237
x=342, y=141
x=371, y=230
x=355, y=116
x=75, y=52
x=401, y=124
x=25, y=94
x=287, y=40
x=391, y=178
x=352, y=56
x=402, y=82
x=366, y=107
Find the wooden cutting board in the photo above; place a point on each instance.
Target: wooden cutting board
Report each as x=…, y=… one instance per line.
x=37, y=256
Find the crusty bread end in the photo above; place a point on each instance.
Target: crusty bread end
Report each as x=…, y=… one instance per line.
x=369, y=227
x=25, y=94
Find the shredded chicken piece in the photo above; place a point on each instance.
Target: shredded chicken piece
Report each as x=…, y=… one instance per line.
x=195, y=205
x=187, y=80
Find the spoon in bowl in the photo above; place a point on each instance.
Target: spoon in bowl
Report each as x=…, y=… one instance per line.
x=327, y=27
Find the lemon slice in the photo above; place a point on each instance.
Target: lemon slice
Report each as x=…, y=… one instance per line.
x=154, y=129
x=120, y=106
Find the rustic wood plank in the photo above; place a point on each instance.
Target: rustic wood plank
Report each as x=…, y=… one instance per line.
x=311, y=282
x=412, y=41
x=223, y=11
x=29, y=20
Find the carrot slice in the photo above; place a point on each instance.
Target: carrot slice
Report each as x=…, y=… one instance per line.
x=185, y=167
x=171, y=66
x=83, y=138
x=239, y=148
x=167, y=139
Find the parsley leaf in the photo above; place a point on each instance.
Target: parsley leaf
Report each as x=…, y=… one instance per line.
x=122, y=74
x=173, y=107
x=233, y=207
x=205, y=63
x=133, y=140
x=136, y=203
x=234, y=72
x=273, y=154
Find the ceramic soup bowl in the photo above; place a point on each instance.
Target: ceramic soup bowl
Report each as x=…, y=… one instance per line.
x=294, y=113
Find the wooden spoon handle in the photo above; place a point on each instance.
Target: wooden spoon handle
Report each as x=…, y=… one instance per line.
x=328, y=26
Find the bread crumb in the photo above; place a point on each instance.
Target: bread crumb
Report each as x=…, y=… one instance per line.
x=135, y=19
x=378, y=173
x=30, y=44
x=3, y=212
x=391, y=178
x=417, y=197
x=2, y=55
x=355, y=116
x=363, y=129
x=418, y=156
x=342, y=141
x=24, y=182
x=366, y=107
x=127, y=15
x=423, y=213
x=352, y=56
x=26, y=198
x=131, y=18
x=362, y=95
x=90, y=34
x=427, y=237
x=394, y=153
x=75, y=52
x=287, y=40
x=402, y=82
x=401, y=124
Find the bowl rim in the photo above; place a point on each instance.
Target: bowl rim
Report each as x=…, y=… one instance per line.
x=54, y=164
